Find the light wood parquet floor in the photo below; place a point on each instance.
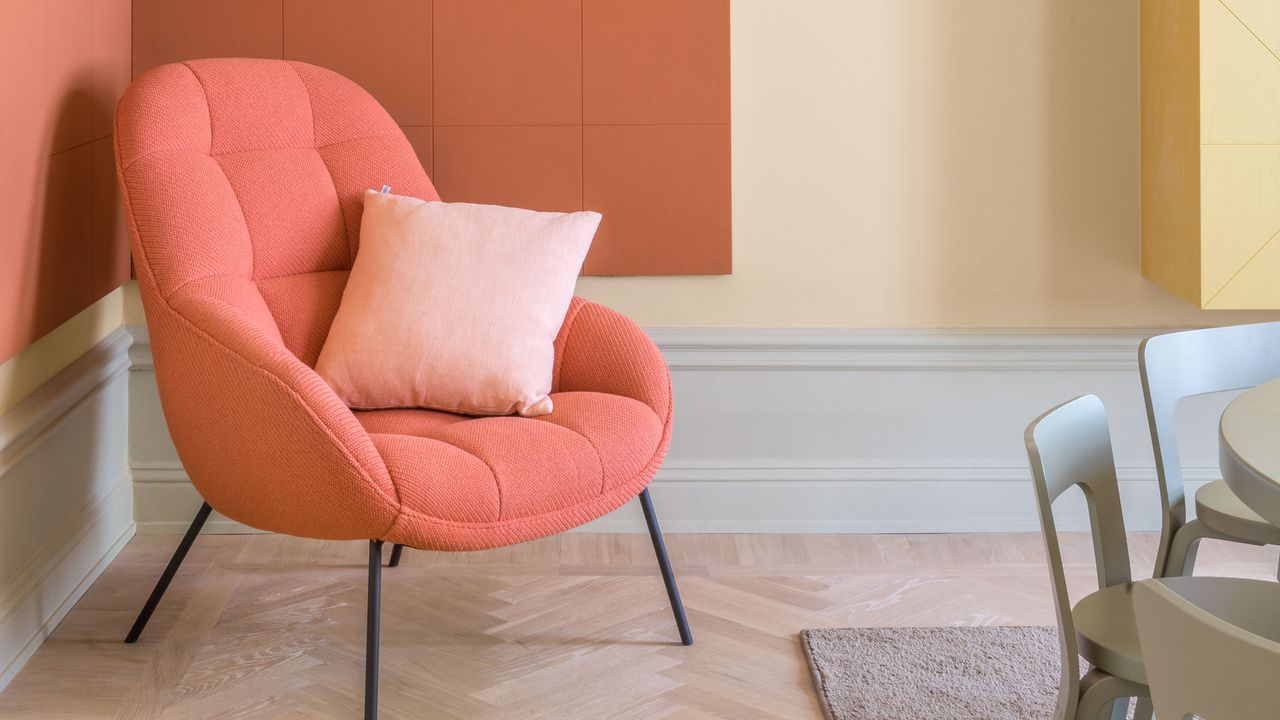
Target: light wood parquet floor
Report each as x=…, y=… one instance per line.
x=571, y=627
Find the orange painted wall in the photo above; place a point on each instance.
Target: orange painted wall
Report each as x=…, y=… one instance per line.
x=63, y=65
x=618, y=106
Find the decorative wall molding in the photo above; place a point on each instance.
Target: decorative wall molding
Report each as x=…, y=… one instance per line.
x=897, y=350
x=794, y=430
x=66, y=496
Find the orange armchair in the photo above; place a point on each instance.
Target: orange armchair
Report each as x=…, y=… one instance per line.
x=243, y=183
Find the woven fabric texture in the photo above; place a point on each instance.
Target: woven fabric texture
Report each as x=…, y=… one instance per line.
x=243, y=182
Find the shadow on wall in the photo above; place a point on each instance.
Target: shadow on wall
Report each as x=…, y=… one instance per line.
x=1026, y=166
x=74, y=246
x=53, y=486
x=1030, y=150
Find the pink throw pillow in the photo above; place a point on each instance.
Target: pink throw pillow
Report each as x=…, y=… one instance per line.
x=454, y=306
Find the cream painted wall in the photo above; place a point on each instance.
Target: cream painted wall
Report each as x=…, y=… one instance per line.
x=927, y=163
x=38, y=363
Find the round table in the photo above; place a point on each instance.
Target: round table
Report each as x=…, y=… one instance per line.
x=1249, y=449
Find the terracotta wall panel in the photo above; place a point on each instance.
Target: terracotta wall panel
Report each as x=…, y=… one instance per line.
x=494, y=96
x=508, y=63
x=655, y=62
x=112, y=65
x=22, y=156
x=664, y=194
x=63, y=65
x=60, y=273
x=539, y=168
x=109, y=245
x=423, y=144
x=68, y=73
x=166, y=31
x=394, y=64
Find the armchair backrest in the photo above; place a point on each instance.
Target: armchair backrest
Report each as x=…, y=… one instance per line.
x=243, y=182
x=245, y=178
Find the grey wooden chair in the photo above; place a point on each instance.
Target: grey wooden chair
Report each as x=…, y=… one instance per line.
x=1213, y=649
x=1070, y=446
x=1197, y=362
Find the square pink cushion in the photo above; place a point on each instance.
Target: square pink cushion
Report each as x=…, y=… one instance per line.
x=454, y=306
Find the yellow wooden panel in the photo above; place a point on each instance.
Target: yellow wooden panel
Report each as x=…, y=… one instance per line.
x=1257, y=285
x=1240, y=76
x=1260, y=16
x=1171, y=145
x=1241, y=208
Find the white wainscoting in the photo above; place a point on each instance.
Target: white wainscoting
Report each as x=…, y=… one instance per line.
x=66, y=499
x=835, y=431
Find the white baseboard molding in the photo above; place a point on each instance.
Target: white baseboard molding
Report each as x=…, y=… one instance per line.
x=66, y=496
x=870, y=499
x=835, y=431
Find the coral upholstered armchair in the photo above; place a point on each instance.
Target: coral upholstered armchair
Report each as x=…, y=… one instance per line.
x=243, y=181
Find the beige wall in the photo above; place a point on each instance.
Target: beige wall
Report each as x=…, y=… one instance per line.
x=908, y=163
x=44, y=358
x=927, y=163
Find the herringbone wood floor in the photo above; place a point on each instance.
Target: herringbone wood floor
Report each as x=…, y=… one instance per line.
x=575, y=626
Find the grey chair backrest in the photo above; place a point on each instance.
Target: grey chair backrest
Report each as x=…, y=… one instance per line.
x=1070, y=446
x=1207, y=661
x=1196, y=362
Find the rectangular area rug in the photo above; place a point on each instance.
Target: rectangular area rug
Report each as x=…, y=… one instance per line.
x=935, y=673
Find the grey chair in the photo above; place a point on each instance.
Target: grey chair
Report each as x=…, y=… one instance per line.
x=1070, y=446
x=1197, y=362
x=1212, y=650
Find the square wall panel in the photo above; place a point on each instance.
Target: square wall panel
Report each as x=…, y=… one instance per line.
x=539, y=168
x=110, y=259
x=655, y=62
x=664, y=191
x=423, y=146
x=112, y=60
x=508, y=63
x=166, y=31
x=61, y=275
x=386, y=49
x=69, y=101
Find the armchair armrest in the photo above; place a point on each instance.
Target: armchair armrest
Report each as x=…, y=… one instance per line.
x=601, y=350
x=262, y=437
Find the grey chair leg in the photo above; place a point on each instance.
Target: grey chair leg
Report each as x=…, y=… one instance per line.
x=1182, y=551
x=373, y=631
x=167, y=576
x=1095, y=706
x=1101, y=694
x=664, y=565
x=396, y=551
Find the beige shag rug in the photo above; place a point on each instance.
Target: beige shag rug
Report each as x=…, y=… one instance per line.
x=937, y=673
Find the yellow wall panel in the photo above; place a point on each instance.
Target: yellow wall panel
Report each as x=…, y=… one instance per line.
x=1170, y=146
x=1240, y=80
x=1256, y=285
x=1211, y=205
x=1240, y=208
x=1260, y=16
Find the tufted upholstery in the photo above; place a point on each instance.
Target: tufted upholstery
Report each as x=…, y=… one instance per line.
x=243, y=180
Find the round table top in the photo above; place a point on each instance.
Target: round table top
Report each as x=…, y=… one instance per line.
x=1250, y=449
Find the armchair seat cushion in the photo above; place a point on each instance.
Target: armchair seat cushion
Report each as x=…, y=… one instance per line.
x=478, y=482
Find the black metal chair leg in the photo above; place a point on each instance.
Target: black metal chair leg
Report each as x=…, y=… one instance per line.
x=372, y=631
x=167, y=576
x=396, y=551
x=668, y=577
